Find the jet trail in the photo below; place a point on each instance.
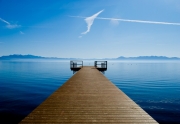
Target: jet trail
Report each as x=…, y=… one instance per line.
x=90, y=20
x=139, y=21
x=129, y=20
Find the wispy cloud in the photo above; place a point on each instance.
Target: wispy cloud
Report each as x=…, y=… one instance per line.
x=21, y=32
x=115, y=21
x=139, y=21
x=79, y=36
x=12, y=26
x=4, y=21
x=90, y=20
x=9, y=25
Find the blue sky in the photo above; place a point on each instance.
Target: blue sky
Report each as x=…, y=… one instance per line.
x=53, y=28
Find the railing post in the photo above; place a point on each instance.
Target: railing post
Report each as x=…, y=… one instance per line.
x=76, y=65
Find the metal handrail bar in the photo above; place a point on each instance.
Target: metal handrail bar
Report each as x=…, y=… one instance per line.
x=73, y=64
x=102, y=63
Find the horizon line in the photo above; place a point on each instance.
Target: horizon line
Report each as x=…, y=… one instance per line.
x=90, y=58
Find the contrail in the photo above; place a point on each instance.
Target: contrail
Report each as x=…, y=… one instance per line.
x=9, y=25
x=139, y=21
x=129, y=20
x=4, y=21
x=90, y=20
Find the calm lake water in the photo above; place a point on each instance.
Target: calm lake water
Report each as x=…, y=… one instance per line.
x=153, y=85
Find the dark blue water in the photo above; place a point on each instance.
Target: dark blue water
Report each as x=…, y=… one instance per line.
x=155, y=86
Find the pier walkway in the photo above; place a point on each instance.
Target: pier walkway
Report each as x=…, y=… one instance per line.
x=88, y=97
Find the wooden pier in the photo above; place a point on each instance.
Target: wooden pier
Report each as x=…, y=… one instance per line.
x=88, y=97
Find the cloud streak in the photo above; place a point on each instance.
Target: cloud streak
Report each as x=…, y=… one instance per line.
x=12, y=26
x=9, y=25
x=114, y=22
x=4, y=21
x=90, y=20
x=21, y=32
x=139, y=21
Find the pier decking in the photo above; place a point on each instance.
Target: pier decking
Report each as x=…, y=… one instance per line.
x=88, y=97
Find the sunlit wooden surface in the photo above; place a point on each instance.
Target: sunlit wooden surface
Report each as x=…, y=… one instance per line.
x=88, y=97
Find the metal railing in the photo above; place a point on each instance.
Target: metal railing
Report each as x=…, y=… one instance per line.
x=76, y=65
x=103, y=64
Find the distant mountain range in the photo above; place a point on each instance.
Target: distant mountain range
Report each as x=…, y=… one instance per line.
x=148, y=58
x=19, y=56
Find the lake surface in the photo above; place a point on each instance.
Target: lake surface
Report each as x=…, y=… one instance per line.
x=153, y=85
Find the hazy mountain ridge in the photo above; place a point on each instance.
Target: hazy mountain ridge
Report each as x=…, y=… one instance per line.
x=148, y=58
x=19, y=56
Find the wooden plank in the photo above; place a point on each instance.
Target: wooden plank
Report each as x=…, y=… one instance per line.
x=88, y=97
